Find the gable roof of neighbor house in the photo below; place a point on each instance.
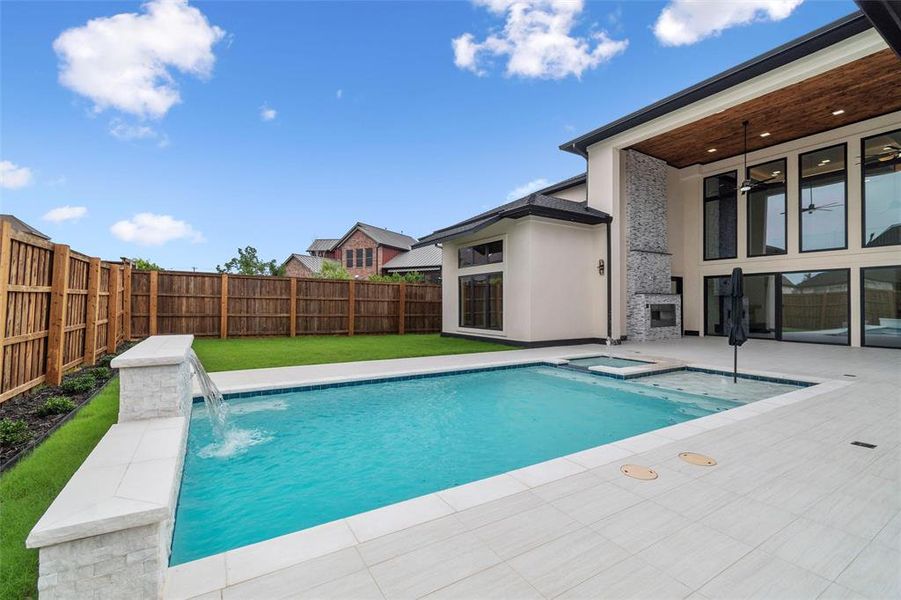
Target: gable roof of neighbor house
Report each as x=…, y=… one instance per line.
x=20, y=225
x=383, y=237
x=313, y=263
x=805, y=45
x=322, y=244
x=535, y=204
x=426, y=258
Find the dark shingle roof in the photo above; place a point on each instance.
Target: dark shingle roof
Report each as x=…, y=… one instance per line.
x=534, y=204
x=320, y=244
x=384, y=237
x=424, y=257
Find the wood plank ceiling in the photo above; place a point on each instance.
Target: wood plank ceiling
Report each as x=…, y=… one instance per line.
x=865, y=88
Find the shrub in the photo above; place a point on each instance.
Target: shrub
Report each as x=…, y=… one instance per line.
x=56, y=405
x=410, y=277
x=101, y=373
x=105, y=360
x=78, y=384
x=13, y=432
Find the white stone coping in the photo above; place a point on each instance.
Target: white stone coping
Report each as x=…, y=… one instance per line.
x=247, y=562
x=130, y=479
x=155, y=351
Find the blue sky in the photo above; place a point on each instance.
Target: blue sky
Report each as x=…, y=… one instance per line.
x=418, y=137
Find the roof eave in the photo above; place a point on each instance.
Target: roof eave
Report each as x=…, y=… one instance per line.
x=814, y=41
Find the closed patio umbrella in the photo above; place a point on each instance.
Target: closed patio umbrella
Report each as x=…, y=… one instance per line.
x=738, y=332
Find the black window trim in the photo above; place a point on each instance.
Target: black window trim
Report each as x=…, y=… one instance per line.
x=486, y=244
x=778, y=275
x=460, y=301
x=863, y=192
x=704, y=201
x=863, y=304
x=801, y=155
x=748, y=254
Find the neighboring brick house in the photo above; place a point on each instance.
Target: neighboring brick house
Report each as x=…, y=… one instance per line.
x=365, y=249
x=303, y=265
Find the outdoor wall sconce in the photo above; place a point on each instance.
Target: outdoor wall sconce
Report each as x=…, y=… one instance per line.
x=600, y=266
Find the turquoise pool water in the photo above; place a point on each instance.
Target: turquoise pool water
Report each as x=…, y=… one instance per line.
x=607, y=361
x=305, y=458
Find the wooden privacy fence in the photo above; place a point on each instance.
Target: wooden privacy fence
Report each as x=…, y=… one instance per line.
x=827, y=310
x=60, y=309
x=218, y=305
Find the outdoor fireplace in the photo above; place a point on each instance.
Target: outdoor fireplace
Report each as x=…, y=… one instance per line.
x=663, y=315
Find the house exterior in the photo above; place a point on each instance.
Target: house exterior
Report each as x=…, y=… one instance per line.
x=640, y=246
x=368, y=250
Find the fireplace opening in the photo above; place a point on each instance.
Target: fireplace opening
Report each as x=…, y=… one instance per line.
x=663, y=315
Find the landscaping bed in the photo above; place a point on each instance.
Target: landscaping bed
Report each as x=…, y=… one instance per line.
x=29, y=418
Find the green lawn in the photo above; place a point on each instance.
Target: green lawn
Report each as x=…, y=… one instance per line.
x=30, y=486
x=255, y=353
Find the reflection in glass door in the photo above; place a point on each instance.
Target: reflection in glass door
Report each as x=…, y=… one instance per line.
x=762, y=306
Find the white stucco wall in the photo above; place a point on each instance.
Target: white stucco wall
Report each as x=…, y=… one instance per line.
x=552, y=290
x=576, y=193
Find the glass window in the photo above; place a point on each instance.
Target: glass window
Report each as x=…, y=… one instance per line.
x=823, y=199
x=766, y=209
x=482, y=301
x=882, y=189
x=815, y=307
x=882, y=307
x=716, y=295
x=481, y=254
x=760, y=290
x=368, y=257
x=359, y=257
x=349, y=258
x=720, y=212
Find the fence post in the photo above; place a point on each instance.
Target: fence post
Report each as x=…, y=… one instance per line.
x=351, y=307
x=112, y=305
x=154, y=287
x=5, y=249
x=56, y=336
x=293, y=311
x=402, y=308
x=223, y=307
x=126, y=302
x=90, y=332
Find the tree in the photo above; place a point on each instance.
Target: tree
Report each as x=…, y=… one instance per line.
x=331, y=269
x=142, y=264
x=249, y=263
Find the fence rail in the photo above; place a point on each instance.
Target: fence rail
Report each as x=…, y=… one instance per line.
x=60, y=309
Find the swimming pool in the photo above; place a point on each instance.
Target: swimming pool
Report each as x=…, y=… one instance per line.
x=608, y=361
x=312, y=456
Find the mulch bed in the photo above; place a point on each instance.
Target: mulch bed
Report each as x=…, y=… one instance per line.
x=25, y=407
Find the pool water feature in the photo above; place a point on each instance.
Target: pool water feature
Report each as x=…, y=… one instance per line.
x=335, y=451
x=608, y=361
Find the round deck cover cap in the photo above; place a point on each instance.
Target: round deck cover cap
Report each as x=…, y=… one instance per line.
x=639, y=472
x=697, y=459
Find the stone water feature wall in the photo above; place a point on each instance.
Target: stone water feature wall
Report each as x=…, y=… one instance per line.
x=648, y=261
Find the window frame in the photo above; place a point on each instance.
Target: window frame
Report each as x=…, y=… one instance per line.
x=784, y=161
x=863, y=304
x=801, y=155
x=359, y=258
x=349, y=258
x=367, y=257
x=704, y=201
x=863, y=194
x=848, y=312
x=460, y=304
x=484, y=245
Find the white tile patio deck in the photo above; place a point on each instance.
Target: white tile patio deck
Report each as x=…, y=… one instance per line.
x=792, y=510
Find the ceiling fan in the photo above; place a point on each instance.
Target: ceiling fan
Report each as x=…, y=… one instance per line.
x=889, y=152
x=750, y=183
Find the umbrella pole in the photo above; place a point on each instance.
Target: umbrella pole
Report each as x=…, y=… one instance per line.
x=734, y=364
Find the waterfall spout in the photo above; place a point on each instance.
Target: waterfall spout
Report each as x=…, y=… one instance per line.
x=212, y=397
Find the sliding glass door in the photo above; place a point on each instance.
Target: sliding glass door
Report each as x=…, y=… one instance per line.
x=763, y=306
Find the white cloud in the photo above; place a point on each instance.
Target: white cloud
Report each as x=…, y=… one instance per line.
x=148, y=229
x=685, y=22
x=527, y=188
x=267, y=113
x=125, y=61
x=61, y=214
x=536, y=40
x=339, y=94
x=127, y=132
x=12, y=176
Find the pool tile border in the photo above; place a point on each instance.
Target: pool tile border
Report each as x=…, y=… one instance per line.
x=208, y=574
